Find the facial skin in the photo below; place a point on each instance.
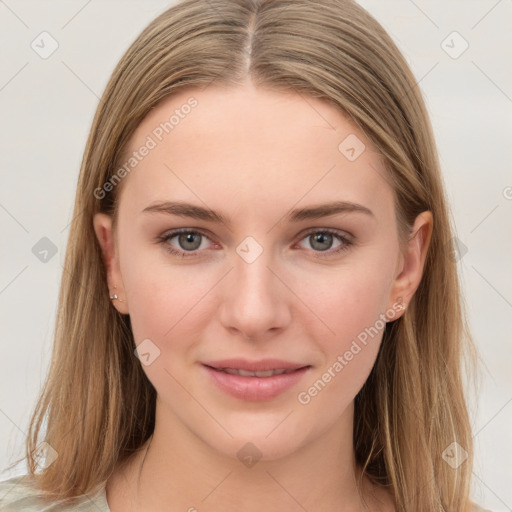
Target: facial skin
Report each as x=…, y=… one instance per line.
x=254, y=155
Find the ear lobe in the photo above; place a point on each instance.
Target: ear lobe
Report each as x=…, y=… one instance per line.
x=103, y=228
x=413, y=260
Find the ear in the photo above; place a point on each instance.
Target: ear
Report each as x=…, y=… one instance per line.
x=103, y=229
x=411, y=264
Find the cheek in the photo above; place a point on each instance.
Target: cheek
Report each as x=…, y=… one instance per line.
x=170, y=310
x=161, y=295
x=165, y=304
x=344, y=302
x=350, y=307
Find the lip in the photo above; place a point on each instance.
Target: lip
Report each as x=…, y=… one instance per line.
x=255, y=366
x=255, y=389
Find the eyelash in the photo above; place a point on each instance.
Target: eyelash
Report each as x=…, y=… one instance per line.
x=346, y=243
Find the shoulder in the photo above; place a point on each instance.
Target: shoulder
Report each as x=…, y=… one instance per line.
x=19, y=494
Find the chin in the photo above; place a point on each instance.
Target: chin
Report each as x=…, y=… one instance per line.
x=250, y=446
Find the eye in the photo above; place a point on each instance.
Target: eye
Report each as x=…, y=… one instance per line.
x=321, y=240
x=188, y=242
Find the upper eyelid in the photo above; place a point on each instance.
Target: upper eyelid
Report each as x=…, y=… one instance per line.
x=178, y=231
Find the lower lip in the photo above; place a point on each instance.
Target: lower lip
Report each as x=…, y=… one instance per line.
x=255, y=388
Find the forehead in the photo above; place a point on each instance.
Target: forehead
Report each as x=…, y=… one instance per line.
x=250, y=145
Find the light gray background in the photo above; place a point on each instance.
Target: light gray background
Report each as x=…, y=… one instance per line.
x=47, y=106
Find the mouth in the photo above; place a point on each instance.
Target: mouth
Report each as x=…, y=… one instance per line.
x=248, y=373
x=255, y=381
x=262, y=368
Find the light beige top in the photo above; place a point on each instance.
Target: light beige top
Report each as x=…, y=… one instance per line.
x=16, y=495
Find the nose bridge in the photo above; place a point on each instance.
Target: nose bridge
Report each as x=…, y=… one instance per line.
x=253, y=277
x=254, y=301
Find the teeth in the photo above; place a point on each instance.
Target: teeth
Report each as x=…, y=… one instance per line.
x=246, y=373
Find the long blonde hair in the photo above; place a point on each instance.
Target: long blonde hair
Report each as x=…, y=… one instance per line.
x=97, y=402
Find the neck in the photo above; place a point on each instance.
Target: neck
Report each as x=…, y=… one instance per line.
x=176, y=470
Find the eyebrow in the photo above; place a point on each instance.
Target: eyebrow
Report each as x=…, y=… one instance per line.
x=192, y=211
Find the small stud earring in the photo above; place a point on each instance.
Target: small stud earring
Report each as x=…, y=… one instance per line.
x=115, y=296
x=400, y=305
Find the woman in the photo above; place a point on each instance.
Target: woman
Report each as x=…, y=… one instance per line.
x=260, y=310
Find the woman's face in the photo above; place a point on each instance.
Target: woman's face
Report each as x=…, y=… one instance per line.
x=261, y=270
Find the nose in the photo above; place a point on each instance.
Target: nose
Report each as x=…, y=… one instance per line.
x=255, y=302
